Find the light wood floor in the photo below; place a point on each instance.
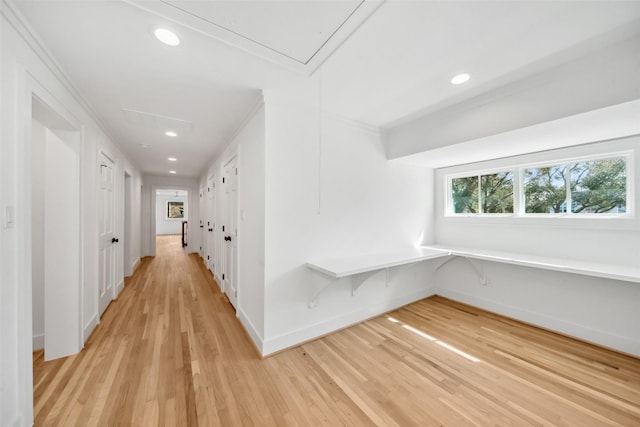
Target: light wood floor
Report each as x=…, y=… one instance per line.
x=170, y=352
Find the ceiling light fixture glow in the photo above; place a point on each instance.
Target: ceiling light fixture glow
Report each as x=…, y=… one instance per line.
x=172, y=159
x=460, y=78
x=172, y=171
x=171, y=133
x=167, y=37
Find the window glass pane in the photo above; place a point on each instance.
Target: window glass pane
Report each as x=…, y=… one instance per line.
x=545, y=190
x=497, y=192
x=464, y=192
x=599, y=186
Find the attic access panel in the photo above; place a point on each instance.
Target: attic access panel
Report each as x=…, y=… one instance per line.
x=297, y=34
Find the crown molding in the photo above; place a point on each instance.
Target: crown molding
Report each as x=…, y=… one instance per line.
x=26, y=32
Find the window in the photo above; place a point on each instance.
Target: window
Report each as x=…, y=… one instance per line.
x=494, y=195
x=593, y=187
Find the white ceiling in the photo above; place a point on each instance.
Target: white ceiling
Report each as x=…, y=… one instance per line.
x=383, y=65
x=296, y=34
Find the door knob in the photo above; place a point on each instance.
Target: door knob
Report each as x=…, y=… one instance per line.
x=114, y=240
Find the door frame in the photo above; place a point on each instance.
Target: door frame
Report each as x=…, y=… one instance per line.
x=190, y=215
x=29, y=87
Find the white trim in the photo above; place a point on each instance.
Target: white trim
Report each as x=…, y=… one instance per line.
x=134, y=265
x=258, y=340
x=38, y=342
x=90, y=326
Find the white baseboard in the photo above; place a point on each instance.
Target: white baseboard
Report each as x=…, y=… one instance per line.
x=601, y=338
x=120, y=287
x=218, y=281
x=38, y=342
x=251, y=329
x=134, y=265
x=89, y=327
x=305, y=334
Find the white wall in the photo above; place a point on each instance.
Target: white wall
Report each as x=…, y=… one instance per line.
x=25, y=67
x=148, y=209
x=598, y=310
x=251, y=225
x=166, y=225
x=599, y=79
x=248, y=144
x=295, y=206
x=331, y=197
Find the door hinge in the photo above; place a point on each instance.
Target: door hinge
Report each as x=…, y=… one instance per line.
x=223, y=179
x=207, y=256
x=236, y=171
x=208, y=189
x=236, y=293
x=222, y=276
x=223, y=228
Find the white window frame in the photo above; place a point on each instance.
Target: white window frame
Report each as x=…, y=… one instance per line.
x=478, y=174
x=518, y=168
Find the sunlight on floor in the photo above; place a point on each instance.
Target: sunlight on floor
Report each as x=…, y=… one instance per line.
x=437, y=341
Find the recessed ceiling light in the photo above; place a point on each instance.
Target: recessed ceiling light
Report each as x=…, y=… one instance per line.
x=172, y=159
x=172, y=171
x=171, y=133
x=460, y=78
x=167, y=37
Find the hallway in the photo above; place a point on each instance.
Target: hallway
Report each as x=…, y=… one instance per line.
x=170, y=352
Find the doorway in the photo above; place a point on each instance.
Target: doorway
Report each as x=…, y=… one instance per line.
x=56, y=258
x=172, y=211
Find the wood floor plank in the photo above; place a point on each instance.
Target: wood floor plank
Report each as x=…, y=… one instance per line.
x=171, y=352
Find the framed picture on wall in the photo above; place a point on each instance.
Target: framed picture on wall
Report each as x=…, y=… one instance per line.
x=175, y=210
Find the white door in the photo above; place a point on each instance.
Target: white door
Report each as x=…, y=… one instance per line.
x=61, y=248
x=108, y=239
x=202, y=221
x=211, y=223
x=230, y=233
